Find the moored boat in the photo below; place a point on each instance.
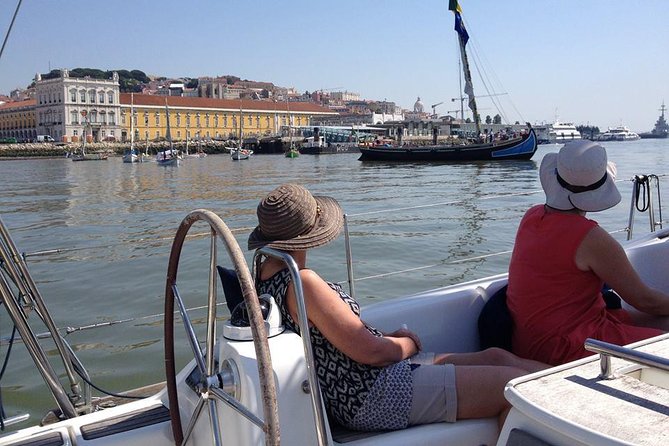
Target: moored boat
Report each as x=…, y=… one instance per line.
x=170, y=156
x=522, y=148
x=619, y=133
x=132, y=155
x=562, y=132
x=482, y=149
x=292, y=153
x=238, y=153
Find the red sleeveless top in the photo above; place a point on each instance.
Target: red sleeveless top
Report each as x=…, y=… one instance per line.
x=554, y=305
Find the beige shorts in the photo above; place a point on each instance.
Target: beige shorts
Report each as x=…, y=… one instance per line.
x=434, y=397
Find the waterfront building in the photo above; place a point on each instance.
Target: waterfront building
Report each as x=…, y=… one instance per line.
x=208, y=118
x=67, y=108
x=17, y=120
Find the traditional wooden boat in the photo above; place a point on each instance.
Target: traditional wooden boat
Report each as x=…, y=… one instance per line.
x=251, y=382
x=522, y=148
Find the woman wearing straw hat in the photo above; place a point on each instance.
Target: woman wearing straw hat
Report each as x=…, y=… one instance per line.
x=367, y=378
x=561, y=260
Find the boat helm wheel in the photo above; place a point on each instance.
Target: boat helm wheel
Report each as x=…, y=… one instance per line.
x=210, y=388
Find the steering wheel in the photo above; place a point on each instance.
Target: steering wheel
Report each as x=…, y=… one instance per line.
x=210, y=386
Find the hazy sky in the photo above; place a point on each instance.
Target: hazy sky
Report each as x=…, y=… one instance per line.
x=602, y=62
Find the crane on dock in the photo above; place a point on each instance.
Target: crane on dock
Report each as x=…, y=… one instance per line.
x=434, y=108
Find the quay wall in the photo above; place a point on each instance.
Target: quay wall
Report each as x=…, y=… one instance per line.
x=40, y=150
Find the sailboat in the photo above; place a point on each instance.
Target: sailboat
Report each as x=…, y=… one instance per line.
x=171, y=156
x=520, y=148
x=83, y=156
x=198, y=154
x=240, y=153
x=131, y=155
x=292, y=151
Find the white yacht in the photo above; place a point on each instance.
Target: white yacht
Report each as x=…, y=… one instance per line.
x=620, y=133
x=561, y=132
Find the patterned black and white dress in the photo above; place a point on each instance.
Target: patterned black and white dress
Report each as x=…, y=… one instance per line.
x=357, y=396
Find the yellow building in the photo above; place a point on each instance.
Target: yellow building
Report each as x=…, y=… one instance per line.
x=17, y=120
x=204, y=118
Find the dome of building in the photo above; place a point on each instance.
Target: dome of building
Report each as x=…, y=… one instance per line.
x=418, y=106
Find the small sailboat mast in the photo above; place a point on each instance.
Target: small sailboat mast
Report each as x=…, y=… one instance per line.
x=168, y=133
x=241, y=124
x=83, y=139
x=463, y=37
x=132, y=123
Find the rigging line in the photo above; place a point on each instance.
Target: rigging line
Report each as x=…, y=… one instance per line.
x=143, y=239
x=68, y=330
x=481, y=62
x=418, y=268
x=11, y=24
x=444, y=203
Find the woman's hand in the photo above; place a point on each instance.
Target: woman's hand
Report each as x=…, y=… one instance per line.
x=404, y=332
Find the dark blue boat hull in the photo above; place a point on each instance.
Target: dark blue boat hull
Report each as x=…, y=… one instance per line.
x=522, y=149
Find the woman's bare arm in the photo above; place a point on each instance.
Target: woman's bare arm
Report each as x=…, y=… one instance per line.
x=332, y=316
x=602, y=254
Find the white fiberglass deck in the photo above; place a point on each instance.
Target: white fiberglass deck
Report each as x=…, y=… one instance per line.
x=572, y=405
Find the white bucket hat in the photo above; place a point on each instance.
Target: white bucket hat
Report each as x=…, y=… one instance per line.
x=579, y=176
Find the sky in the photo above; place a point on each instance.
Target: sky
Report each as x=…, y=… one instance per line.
x=591, y=62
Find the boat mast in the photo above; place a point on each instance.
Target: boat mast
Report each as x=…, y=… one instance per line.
x=168, y=133
x=463, y=37
x=241, y=123
x=132, y=122
x=83, y=139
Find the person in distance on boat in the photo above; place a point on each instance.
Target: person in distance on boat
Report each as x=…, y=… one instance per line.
x=368, y=378
x=561, y=260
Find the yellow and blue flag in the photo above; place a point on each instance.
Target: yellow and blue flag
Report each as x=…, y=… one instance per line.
x=454, y=6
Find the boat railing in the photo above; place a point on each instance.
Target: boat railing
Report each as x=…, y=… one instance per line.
x=303, y=323
x=643, y=200
x=607, y=350
x=21, y=297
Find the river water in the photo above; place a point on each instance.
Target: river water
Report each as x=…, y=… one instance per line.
x=412, y=226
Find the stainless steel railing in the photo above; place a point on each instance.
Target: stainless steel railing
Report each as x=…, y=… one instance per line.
x=607, y=350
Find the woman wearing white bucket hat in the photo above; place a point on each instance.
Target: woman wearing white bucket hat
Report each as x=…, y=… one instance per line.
x=561, y=260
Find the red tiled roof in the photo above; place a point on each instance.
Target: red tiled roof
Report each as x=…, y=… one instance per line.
x=231, y=104
x=17, y=104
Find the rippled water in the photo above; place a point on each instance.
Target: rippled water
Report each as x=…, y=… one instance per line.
x=114, y=224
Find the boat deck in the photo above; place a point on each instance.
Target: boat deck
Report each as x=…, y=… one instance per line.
x=575, y=400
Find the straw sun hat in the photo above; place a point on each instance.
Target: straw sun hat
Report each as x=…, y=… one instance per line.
x=291, y=219
x=579, y=176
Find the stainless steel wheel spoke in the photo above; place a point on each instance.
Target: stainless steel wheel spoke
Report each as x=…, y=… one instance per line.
x=193, y=419
x=190, y=332
x=215, y=427
x=226, y=398
x=211, y=308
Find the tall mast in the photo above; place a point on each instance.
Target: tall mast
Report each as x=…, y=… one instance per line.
x=168, y=133
x=241, y=123
x=463, y=37
x=132, y=122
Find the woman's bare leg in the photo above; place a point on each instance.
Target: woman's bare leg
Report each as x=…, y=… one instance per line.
x=480, y=391
x=491, y=356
